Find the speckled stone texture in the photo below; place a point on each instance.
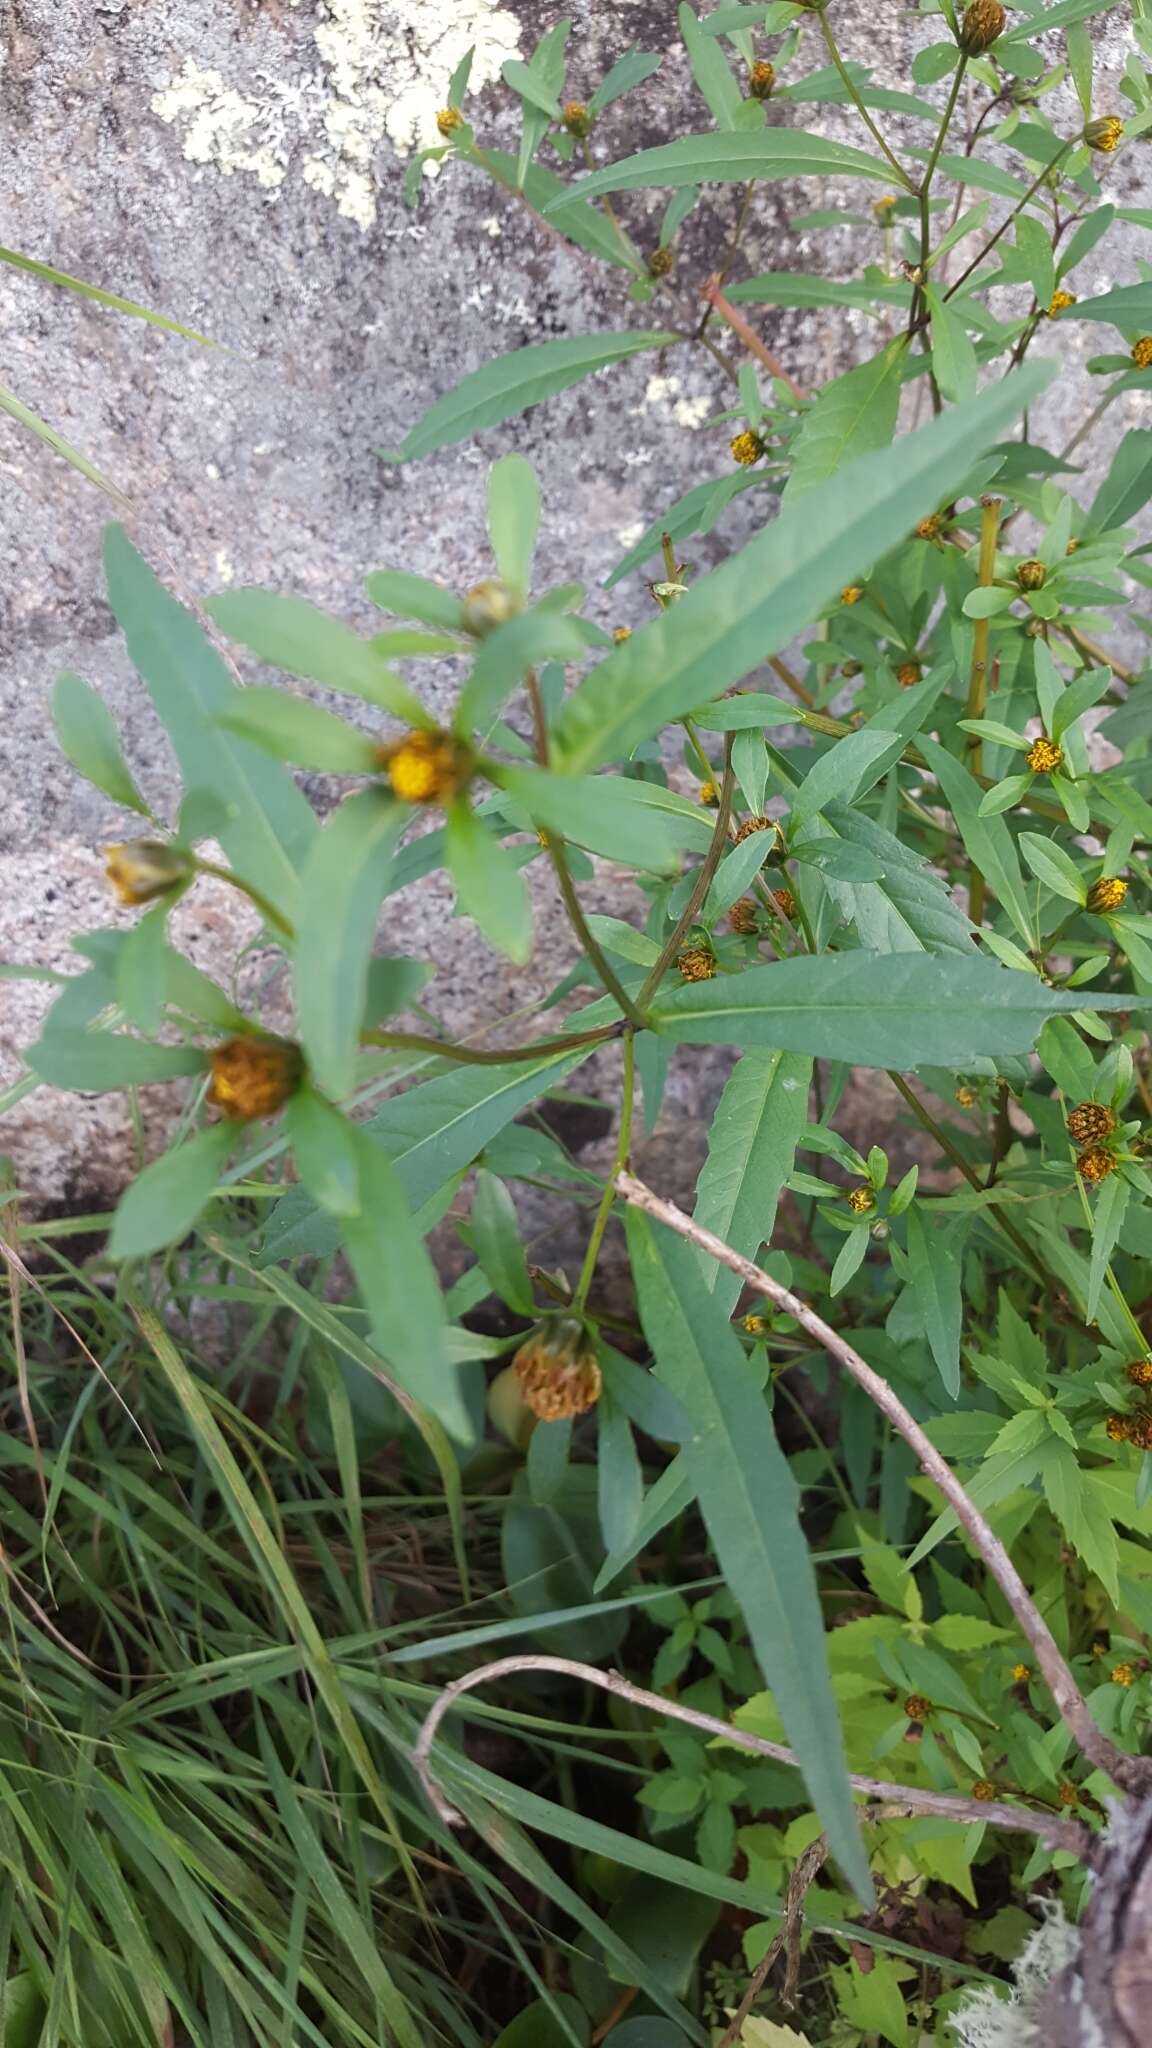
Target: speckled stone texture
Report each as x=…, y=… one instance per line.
x=256, y=463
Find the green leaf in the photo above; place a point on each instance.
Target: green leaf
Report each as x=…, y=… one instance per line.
x=910, y=908
x=1052, y=866
x=496, y=1242
x=342, y=889
x=25, y=417
x=290, y=633
x=853, y=415
x=96, y=1062
x=293, y=729
x=88, y=736
x=620, y=1479
x=1129, y=306
x=142, y=970
x=987, y=841
x=514, y=520
x=266, y=825
x=750, y=1505
x=758, y=1123
x=953, y=355
x=432, y=1132
x=849, y=768
x=583, y=224
x=1128, y=485
x=609, y=814
x=1082, y=1515
x=866, y=1008
x=504, y=659
x=414, y=597
x=538, y=2027
x=753, y=605
x=710, y=69
x=794, y=288
x=1108, y=1211
x=524, y=81
x=513, y=383
x=628, y=71
x=399, y=1289
x=760, y=154
x=1034, y=245
x=164, y=1201
x=324, y=1149
x=489, y=885
x=936, y=1272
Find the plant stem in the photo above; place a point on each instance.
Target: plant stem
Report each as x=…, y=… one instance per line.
x=853, y=92
x=1006, y=223
x=978, y=678
x=256, y=897
x=897, y=1799
x=503, y=1055
x=1132, y=1773
x=620, y=1160
x=703, y=882
x=926, y=207
x=748, y=336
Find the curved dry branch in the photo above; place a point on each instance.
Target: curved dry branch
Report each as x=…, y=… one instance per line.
x=1132, y=1773
x=890, y=1802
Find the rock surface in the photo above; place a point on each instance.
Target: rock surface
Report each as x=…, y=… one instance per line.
x=236, y=163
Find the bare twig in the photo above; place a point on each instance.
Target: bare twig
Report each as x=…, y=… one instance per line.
x=1133, y=1773
x=747, y=335
x=803, y=1877
x=897, y=1801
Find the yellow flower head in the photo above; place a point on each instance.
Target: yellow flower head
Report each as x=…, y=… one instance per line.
x=917, y=1707
x=1044, y=757
x=761, y=79
x=448, y=120
x=983, y=22
x=1118, y=1429
x=1105, y=134
x=425, y=767
x=860, y=1200
x=852, y=593
x=884, y=208
x=558, y=1371
x=908, y=674
x=141, y=870
x=1021, y=1673
x=620, y=634
x=746, y=448
x=1068, y=1795
x=984, y=1790
x=1089, y=1122
x=1108, y=894
x=966, y=1097
x=1095, y=1165
x=927, y=529
x=1123, y=1675
x=254, y=1077
x=1140, y=1372
x=1032, y=574
x=708, y=794
x=696, y=963
x=755, y=1325
x=1059, y=303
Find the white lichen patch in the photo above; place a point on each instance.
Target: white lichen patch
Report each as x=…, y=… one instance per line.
x=986, y=2020
x=666, y=394
x=382, y=74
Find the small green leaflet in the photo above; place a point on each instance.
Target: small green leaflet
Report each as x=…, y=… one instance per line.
x=87, y=734
x=398, y=1284
x=936, y=1284
x=298, y=637
x=869, y=1008
x=97, y=1062
x=953, y=356
x=164, y=1201
x=751, y=606
x=342, y=889
x=750, y=1504
x=853, y=414
x=751, y=1150
x=294, y=729
x=710, y=69
x=513, y=383
x=489, y=885
x=729, y=158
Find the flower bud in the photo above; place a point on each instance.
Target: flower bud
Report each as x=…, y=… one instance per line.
x=425, y=767
x=917, y=1706
x=253, y=1077
x=1059, y=303
x=744, y=917
x=1032, y=574
x=860, y=1200
x=908, y=674
x=487, y=605
x=1105, y=133
x=1095, y=1165
x=661, y=263
x=761, y=79
x=141, y=870
x=1139, y=1373
x=746, y=448
x=448, y=120
x=557, y=1370
x=696, y=963
x=1108, y=894
x=577, y=120
x=983, y=21
x=1142, y=352
x=1089, y=1122
x=852, y=593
